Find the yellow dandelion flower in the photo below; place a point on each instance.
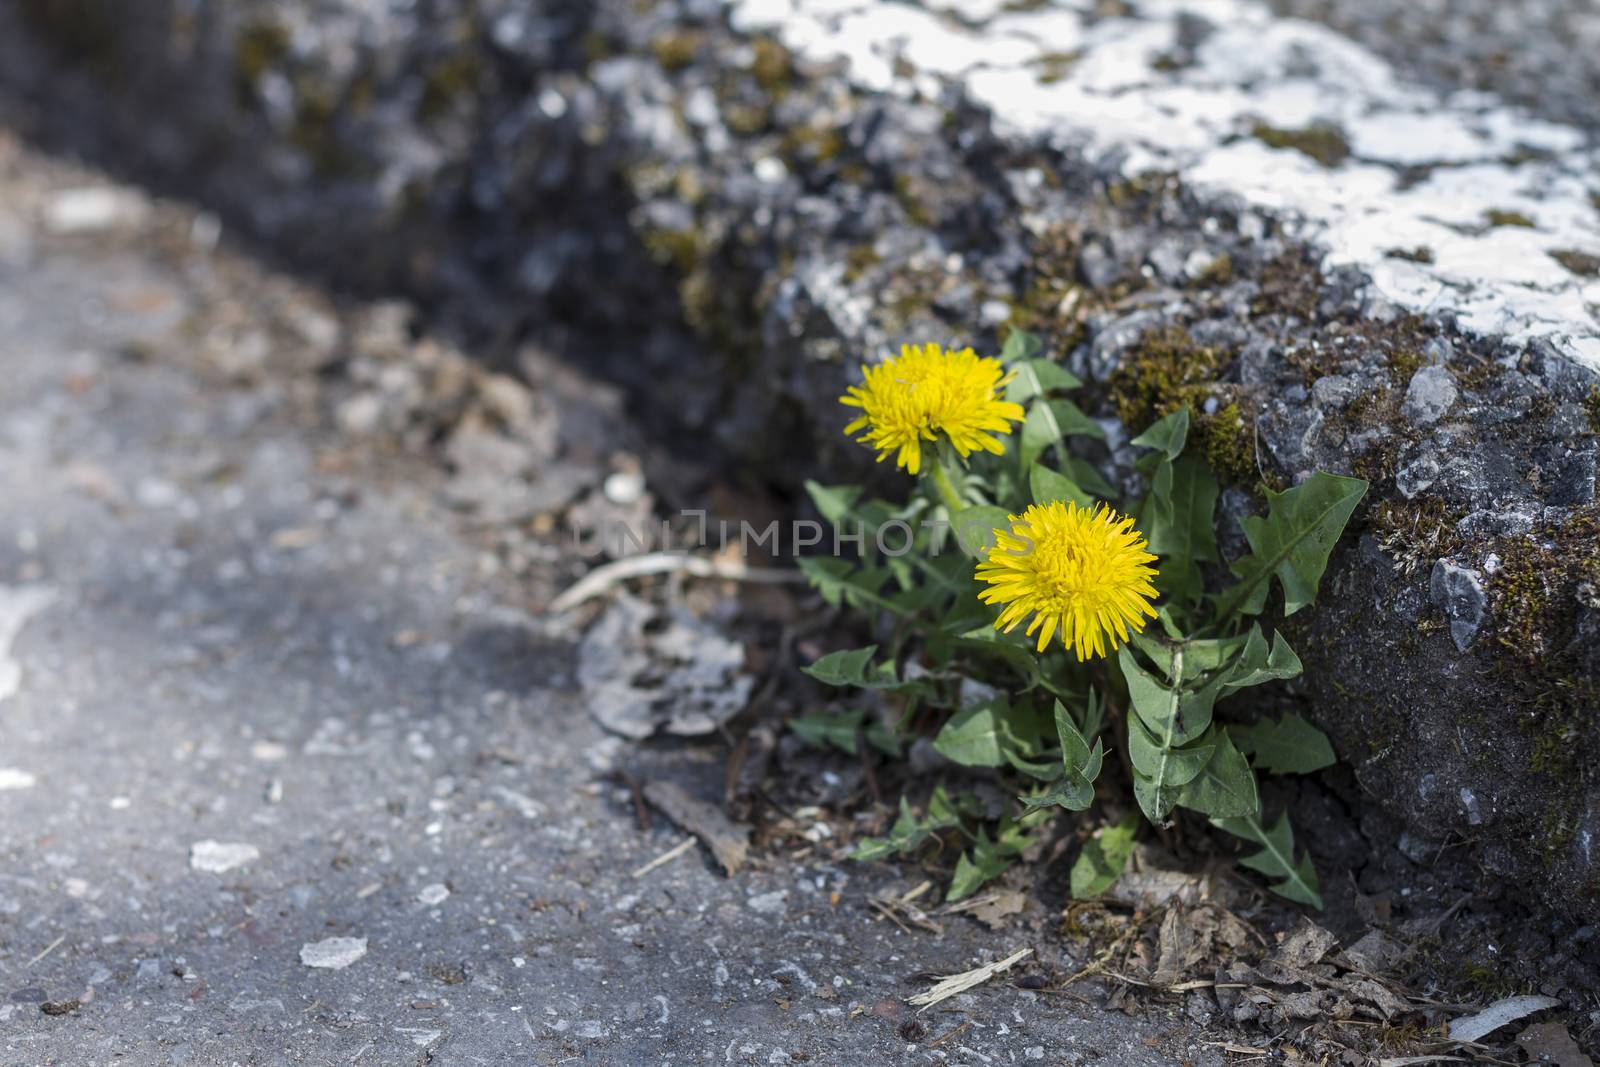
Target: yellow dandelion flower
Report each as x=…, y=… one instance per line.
x=1080, y=571
x=928, y=391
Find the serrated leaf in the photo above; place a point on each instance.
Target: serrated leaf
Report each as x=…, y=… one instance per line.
x=1292, y=541
x=1178, y=520
x=1175, y=716
x=1167, y=768
x=843, y=668
x=1167, y=435
x=1046, y=485
x=1199, y=656
x=1257, y=664
x=1104, y=857
x=975, y=526
x=1289, y=745
x=909, y=832
x=834, y=502
x=1020, y=345
x=1276, y=858
x=1036, y=377
x=1225, y=788
x=1080, y=766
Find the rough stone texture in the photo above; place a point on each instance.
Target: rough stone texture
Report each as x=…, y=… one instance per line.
x=743, y=229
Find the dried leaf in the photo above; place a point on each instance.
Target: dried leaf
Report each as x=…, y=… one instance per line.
x=728, y=841
x=950, y=985
x=1502, y=1012
x=1305, y=945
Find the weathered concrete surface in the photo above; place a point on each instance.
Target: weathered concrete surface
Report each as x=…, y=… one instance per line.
x=266, y=692
x=1348, y=271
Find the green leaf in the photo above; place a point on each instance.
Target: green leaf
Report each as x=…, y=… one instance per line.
x=983, y=862
x=833, y=501
x=1167, y=435
x=1288, y=746
x=975, y=526
x=1104, y=857
x=840, y=582
x=1020, y=345
x=1175, y=716
x=1225, y=788
x=1199, y=655
x=1167, y=768
x=1293, y=541
x=1048, y=422
x=1047, y=485
x=1080, y=766
x=1036, y=377
x=1276, y=858
x=910, y=833
x=822, y=729
x=1256, y=664
x=1181, y=529
x=1089, y=477
x=843, y=668
x=975, y=735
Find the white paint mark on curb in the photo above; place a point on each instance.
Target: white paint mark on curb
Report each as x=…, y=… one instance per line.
x=1424, y=168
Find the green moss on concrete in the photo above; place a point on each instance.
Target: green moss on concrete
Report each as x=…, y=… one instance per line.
x=1419, y=254
x=676, y=49
x=772, y=67
x=1583, y=264
x=1229, y=440
x=912, y=201
x=1535, y=601
x=261, y=45
x=1165, y=371
x=1290, y=285
x=1403, y=363
x=1322, y=142
x=1054, y=66
x=1496, y=217
x=1217, y=273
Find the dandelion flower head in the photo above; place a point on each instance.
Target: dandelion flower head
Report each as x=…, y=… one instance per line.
x=927, y=391
x=1082, y=572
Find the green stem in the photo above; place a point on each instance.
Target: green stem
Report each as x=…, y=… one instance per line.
x=949, y=495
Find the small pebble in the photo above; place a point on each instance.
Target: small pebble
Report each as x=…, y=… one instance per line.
x=13, y=778
x=433, y=894
x=333, y=953
x=219, y=856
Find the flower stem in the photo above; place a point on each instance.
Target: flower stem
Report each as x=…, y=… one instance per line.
x=949, y=495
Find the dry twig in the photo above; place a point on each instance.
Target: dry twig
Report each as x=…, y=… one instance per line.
x=605, y=577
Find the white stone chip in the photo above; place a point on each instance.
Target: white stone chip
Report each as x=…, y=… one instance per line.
x=219, y=856
x=434, y=894
x=333, y=953
x=14, y=778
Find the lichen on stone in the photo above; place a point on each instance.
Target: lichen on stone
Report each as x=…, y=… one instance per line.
x=1323, y=142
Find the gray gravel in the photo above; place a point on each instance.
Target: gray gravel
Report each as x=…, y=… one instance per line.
x=289, y=777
